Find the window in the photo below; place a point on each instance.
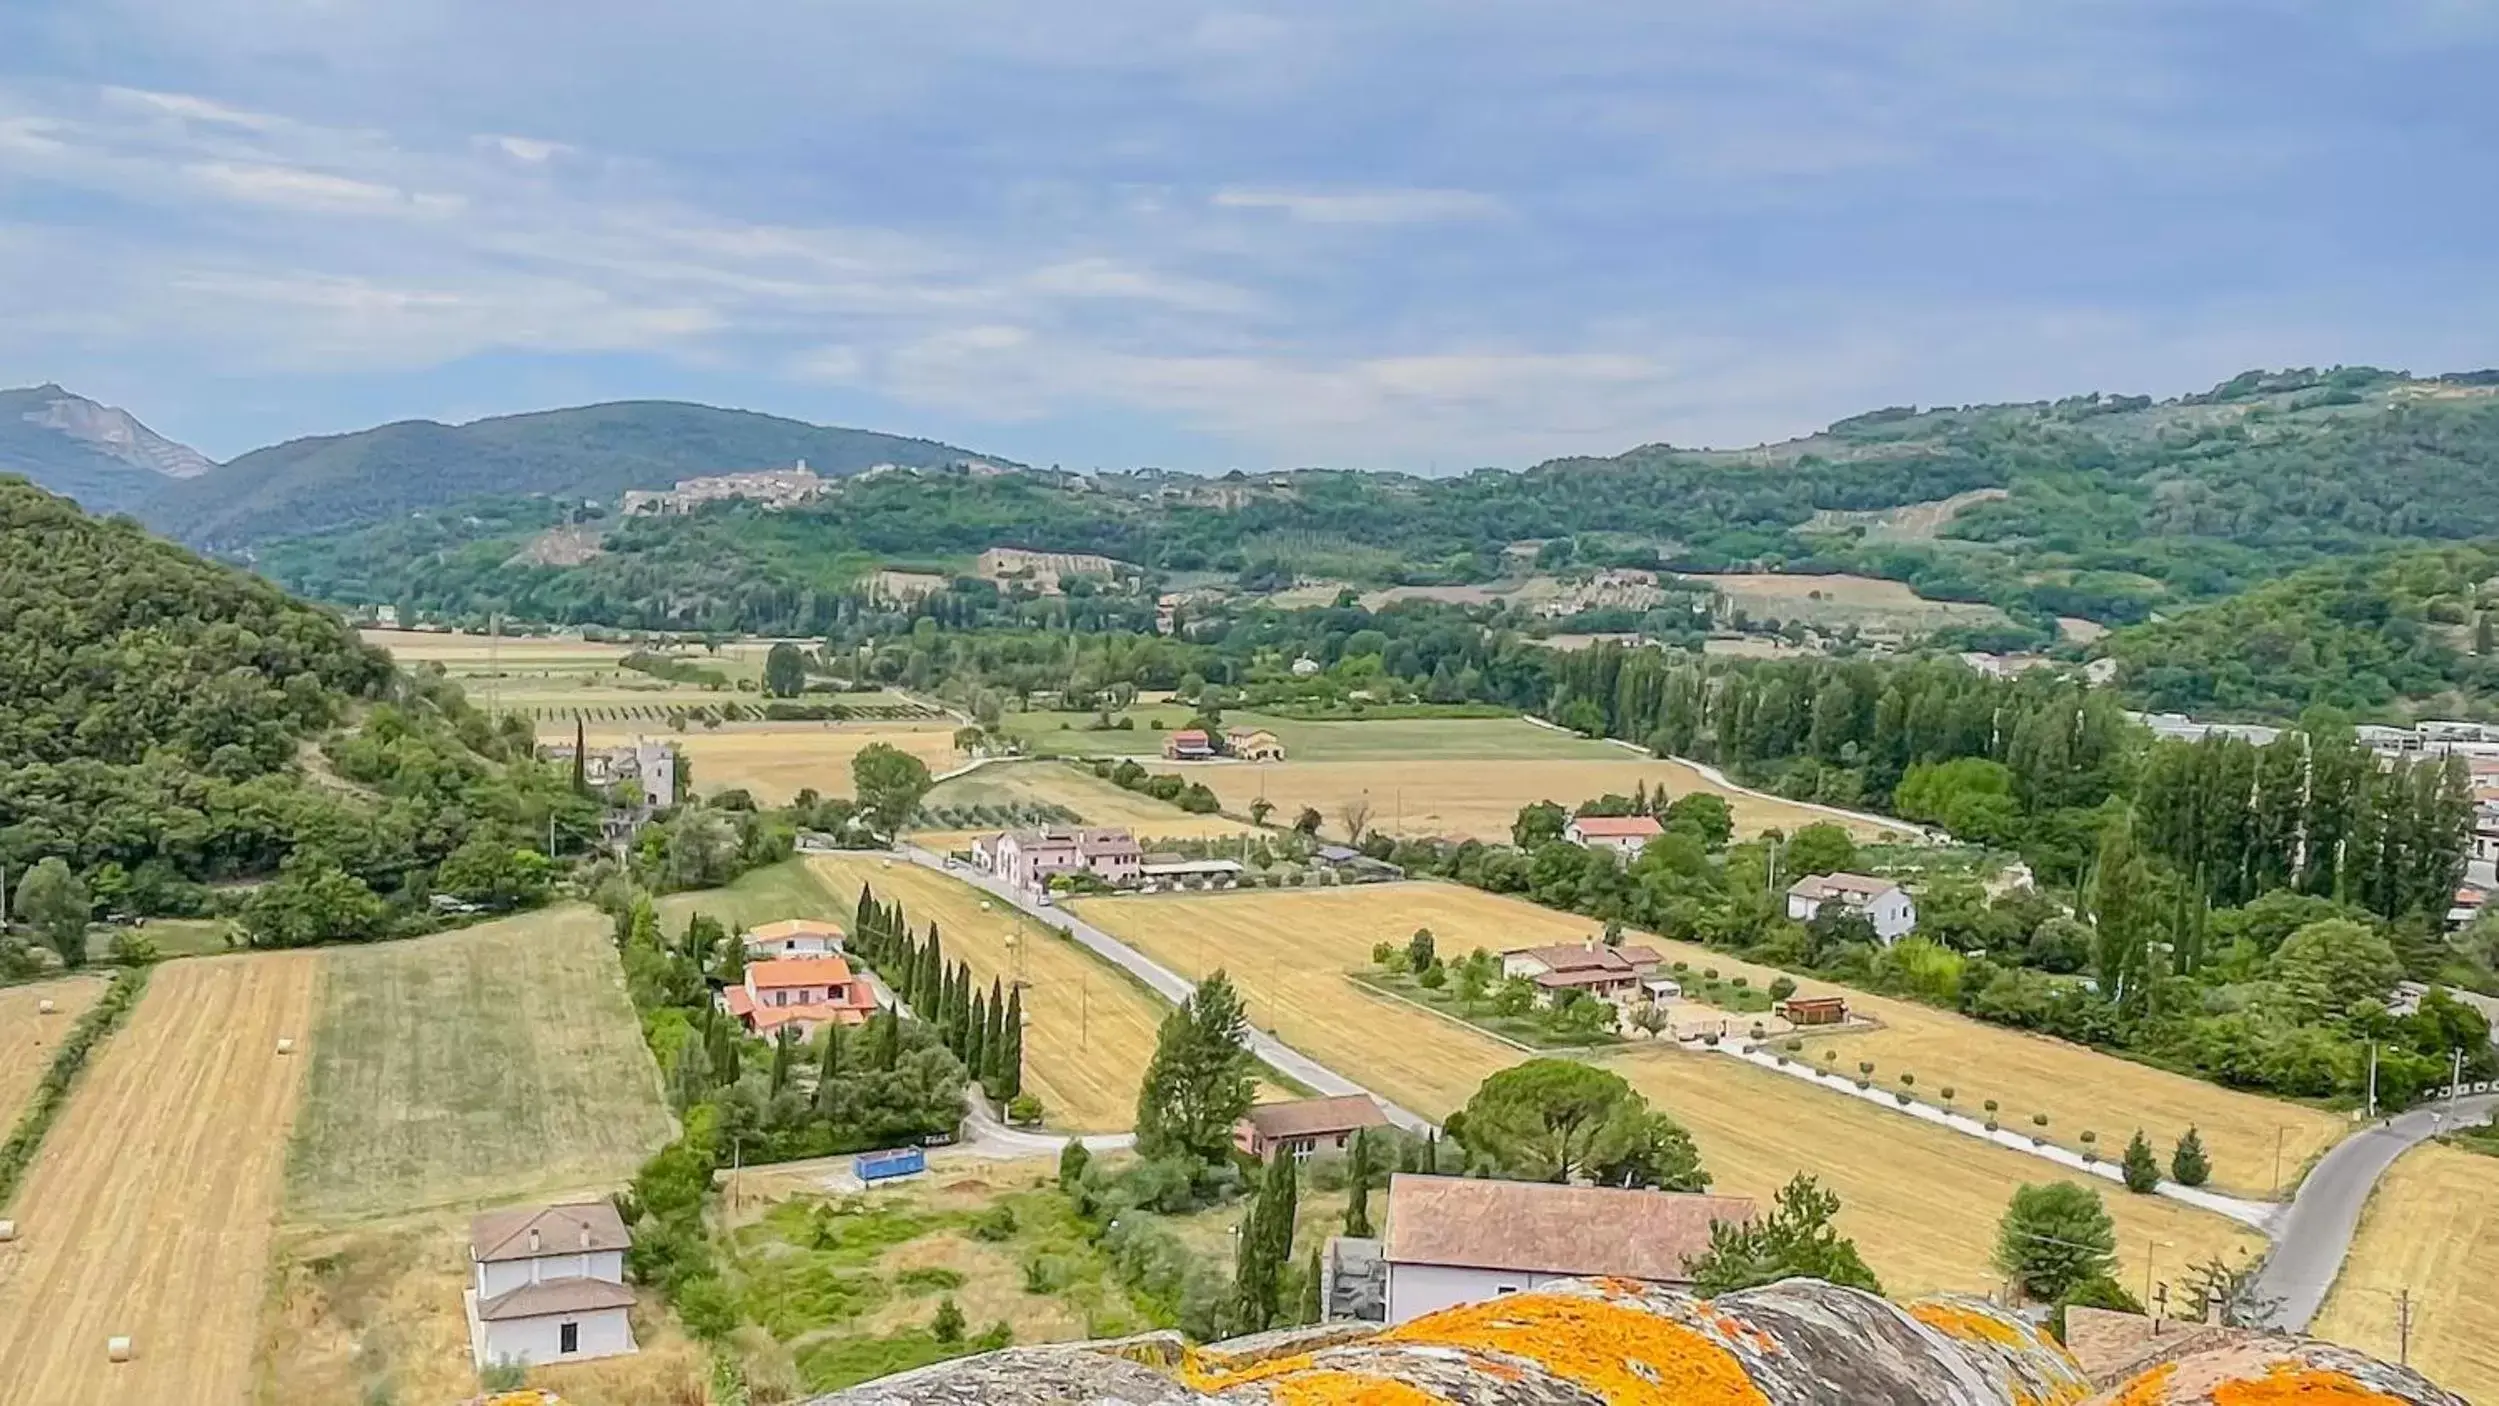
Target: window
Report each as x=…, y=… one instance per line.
x=568, y=1337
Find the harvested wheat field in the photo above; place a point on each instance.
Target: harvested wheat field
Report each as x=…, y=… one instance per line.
x=1477, y=798
x=1098, y=802
x=28, y=1039
x=1923, y=1202
x=775, y=761
x=1089, y=1031
x=150, y=1211
x=2432, y=1227
x=489, y=1064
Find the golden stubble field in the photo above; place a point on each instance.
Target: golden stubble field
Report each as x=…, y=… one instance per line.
x=1922, y=1201
x=2432, y=1227
x=1477, y=798
x=1088, y=1030
x=28, y=1039
x=775, y=761
x=151, y=1209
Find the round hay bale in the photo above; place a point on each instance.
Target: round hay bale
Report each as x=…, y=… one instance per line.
x=117, y=1349
x=286, y=1044
x=8, y=1231
x=44, y=1006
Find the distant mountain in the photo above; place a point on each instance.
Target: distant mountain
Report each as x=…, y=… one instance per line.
x=593, y=452
x=98, y=454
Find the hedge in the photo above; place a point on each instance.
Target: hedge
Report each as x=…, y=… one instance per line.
x=24, y=1139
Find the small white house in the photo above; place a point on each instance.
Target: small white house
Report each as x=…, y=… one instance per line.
x=1625, y=835
x=793, y=937
x=1885, y=904
x=549, y=1285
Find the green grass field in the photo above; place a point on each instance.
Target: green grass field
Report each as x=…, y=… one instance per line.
x=789, y=890
x=490, y=1064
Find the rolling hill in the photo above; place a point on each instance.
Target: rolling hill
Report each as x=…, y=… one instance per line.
x=100, y=455
x=590, y=452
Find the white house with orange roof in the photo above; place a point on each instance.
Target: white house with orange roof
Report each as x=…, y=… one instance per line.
x=806, y=992
x=1625, y=835
x=794, y=938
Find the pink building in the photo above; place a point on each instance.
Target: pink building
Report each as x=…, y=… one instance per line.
x=1029, y=859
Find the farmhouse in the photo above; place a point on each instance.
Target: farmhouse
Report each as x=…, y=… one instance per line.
x=794, y=937
x=1885, y=904
x=1617, y=974
x=1189, y=744
x=1305, y=1125
x=1029, y=859
x=1254, y=744
x=649, y=765
x=1457, y=1240
x=1625, y=835
x=548, y=1285
x=808, y=993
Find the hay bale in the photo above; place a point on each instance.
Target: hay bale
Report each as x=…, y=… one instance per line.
x=286, y=1044
x=8, y=1231
x=44, y=1006
x=117, y=1349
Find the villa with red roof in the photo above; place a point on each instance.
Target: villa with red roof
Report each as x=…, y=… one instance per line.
x=1625, y=835
x=808, y=993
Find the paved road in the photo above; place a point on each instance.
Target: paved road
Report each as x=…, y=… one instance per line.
x=2313, y=1239
x=983, y=1133
x=1167, y=983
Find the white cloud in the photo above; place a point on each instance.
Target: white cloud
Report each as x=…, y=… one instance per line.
x=530, y=151
x=1363, y=207
x=191, y=108
x=295, y=188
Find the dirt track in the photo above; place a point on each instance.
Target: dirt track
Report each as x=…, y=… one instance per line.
x=149, y=1211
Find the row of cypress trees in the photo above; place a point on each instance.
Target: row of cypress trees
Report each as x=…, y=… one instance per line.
x=984, y=1029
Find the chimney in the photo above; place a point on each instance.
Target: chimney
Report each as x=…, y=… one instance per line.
x=533, y=1239
x=585, y=1235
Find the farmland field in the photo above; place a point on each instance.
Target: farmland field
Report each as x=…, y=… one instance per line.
x=149, y=1213
x=491, y=1064
x=1477, y=799
x=1089, y=1031
x=1058, y=784
x=2432, y=1227
x=1842, y=600
x=775, y=761
x=27, y=1040
x=1510, y=739
x=1922, y=1201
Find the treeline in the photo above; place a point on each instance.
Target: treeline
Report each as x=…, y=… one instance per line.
x=986, y=1032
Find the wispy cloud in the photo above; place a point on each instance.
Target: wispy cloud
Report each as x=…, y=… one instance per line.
x=1363, y=207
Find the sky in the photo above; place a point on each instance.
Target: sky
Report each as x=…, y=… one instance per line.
x=1426, y=235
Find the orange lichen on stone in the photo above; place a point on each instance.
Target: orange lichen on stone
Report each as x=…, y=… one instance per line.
x=1327, y=1388
x=2290, y=1384
x=1625, y=1356
x=2149, y=1389
x=1200, y=1376
x=1968, y=1325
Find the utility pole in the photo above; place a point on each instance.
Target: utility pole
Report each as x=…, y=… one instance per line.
x=2373, y=1079
x=2277, y=1161
x=2403, y=1326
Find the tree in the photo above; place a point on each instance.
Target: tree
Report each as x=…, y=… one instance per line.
x=1199, y=1082
x=1314, y=1305
x=2054, y=1237
x=1265, y=1247
x=1309, y=821
x=1073, y=1159
x=785, y=671
x=312, y=901
x=1260, y=809
x=52, y=901
x=490, y=872
x=1355, y=812
x=2142, y=1169
x=1358, y=1174
x=1419, y=950
x=2187, y=1163
x=890, y=783
x=784, y=1056
x=2331, y=966
x=947, y=1326
x=1796, y=1240
x=1557, y=1119
x=1704, y=816
x=1539, y=824
x=1820, y=848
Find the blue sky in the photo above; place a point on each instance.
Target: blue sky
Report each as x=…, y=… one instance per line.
x=1397, y=234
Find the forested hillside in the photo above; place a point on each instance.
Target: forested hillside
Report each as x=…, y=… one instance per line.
x=594, y=451
x=169, y=724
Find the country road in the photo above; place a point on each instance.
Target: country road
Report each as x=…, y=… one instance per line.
x=2312, y=1240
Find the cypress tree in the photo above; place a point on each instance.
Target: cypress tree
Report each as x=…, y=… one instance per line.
x=1358, y=1186
x=829, y=1063
x=976, y=1037
x=1266, y=1245
x=784, y=1050
x=1313, y=1309
x=864, y=921
x=884, y=1042
x=993, y=1035
x=581, y=781
x=1011, y=1062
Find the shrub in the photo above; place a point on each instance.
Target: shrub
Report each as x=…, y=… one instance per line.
x=1758, y=1032
x=1866, y=1067
x=995, y=1224
x=1991, y=1125
x=947, y=1326
x=1024, y=1110
x=1794, y=1045
x=2039, y=1120
x=1782, y=987
x=1946, y=1093
x=1709, y=973
x=2187, y=1165
x=1741, y=982
x=1908, y=1080
x=1902, y=1098
x=1991, y=1105
x=1683, y=966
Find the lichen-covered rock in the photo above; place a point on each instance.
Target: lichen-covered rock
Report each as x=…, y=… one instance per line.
x=1617, y=1343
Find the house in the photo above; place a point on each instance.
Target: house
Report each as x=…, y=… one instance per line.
x=1802, y=1011
x=1172, y=871
x=1622, y=975
x=1625, y=835
x=649, y=765
x=547, y=1284
x=2466, y=906
x=793, y=938
x=807, y=993
x=1305, y=1125
x=1029, y=859
x=1188, y=744
x=1355, y=866
x=1253, y=744
x=1885, y=904
x=1458, y=1240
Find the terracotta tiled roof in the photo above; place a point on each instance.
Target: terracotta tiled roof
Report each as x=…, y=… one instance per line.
x=1315, y=1117
x=797, y=971
x=554, y=1296
x=1619, y=827
x=1541, y=1228
x=504, y=1235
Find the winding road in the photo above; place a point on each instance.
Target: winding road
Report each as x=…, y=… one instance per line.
x=2311, y=1236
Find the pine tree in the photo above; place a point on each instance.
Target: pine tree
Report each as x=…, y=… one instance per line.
x=1358, y=1186
x=2142, y=1169
x=2187, y=1164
